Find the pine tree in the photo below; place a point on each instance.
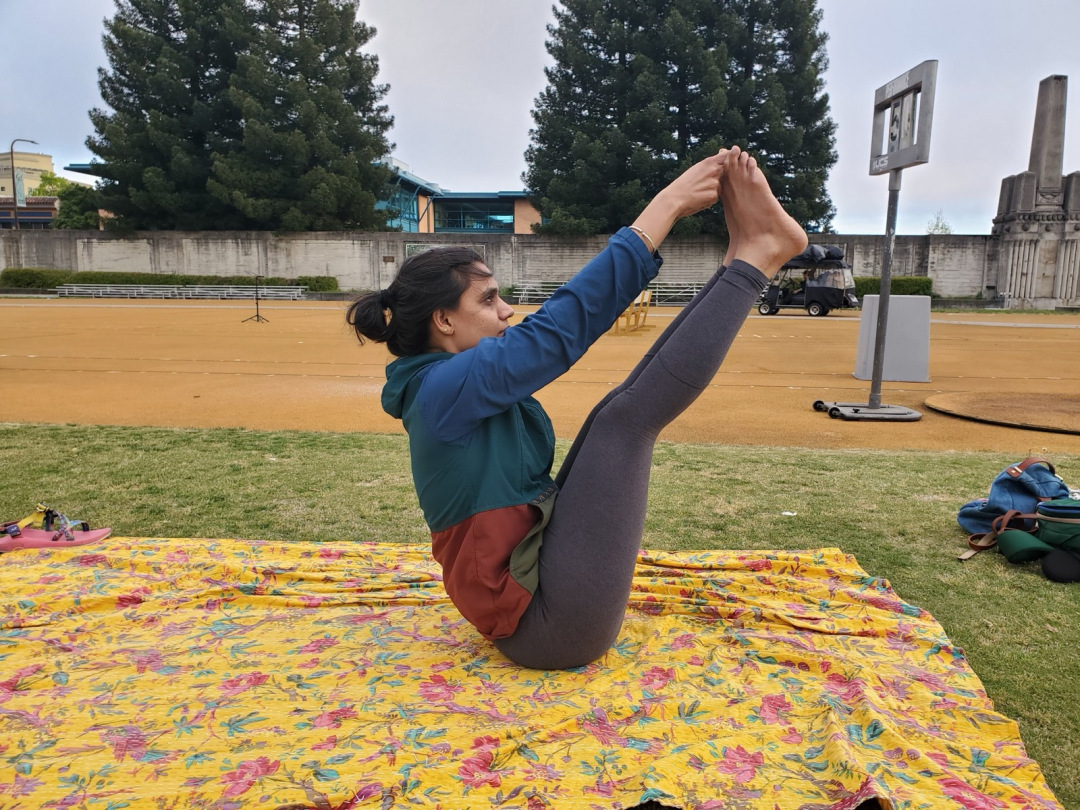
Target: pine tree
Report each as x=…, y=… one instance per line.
x=240, y=114
x=777, y=100
x=167, y=87
x=313, y=123
x=641, y=90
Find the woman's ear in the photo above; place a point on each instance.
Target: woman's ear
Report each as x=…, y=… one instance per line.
x=441, y=320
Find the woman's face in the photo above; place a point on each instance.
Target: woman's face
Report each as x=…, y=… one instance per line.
x=480, y=313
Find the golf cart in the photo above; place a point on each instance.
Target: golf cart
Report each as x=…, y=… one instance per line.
x=817, y=280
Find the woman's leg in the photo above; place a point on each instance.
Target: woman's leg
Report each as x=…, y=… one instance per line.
x=590, y=545
x=729, y=255
x=568, y=461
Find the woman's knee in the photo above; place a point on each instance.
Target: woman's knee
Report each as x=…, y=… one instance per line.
x=573, y=647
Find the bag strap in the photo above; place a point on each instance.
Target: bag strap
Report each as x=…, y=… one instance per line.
x=1016, y=470
x=981, y=542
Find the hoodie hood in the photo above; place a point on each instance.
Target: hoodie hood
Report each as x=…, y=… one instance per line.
x=398, y=376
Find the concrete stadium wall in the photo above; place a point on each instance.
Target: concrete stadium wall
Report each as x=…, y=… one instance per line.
x=959, y=265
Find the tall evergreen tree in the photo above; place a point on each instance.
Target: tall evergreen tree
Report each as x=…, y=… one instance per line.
x=640, y=90
x=240, y=114
x=167, y=87
x=313, y=123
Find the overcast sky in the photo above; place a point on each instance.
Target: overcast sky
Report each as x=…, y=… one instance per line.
x=463, y=77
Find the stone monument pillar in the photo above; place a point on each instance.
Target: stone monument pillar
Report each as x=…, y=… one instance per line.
x=1038, y=218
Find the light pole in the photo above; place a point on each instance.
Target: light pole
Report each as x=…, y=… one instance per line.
x=14, y=199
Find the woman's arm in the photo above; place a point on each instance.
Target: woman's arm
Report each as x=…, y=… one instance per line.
x=472, y=385
x=497, y=373
x=694, y=190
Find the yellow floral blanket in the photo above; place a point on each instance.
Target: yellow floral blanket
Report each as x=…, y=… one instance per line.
x=228, y=674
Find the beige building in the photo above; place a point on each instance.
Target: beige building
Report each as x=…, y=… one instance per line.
x=32, y=165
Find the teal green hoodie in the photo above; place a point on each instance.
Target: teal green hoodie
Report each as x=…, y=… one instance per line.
x=482, y=447
x=478, y=439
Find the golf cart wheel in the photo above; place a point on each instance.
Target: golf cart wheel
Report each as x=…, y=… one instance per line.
x=834, y=413
x=765, y=308
x=819, y=405
x=817, y=309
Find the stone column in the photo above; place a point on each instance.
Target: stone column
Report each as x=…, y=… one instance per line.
x=1038, y=218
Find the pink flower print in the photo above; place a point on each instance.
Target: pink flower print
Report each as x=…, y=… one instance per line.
x=695, y=660
x=485, y=743
x=146, y=660
x=9, y=687
x=438, y=690
x=330, y=553
x=928, y=679
x=312, y=601
x=741, y=764
x=241, y=683
x=247, y=774
x=326, y=745
x=881, y=603
x=311, y=663
x=683, y=641
x=603, y=787
x=773, y=708
x=368, y=791
x=489, y=688
x=758, y=565
x=896, y=687
x=23, y=786
x=792, y=736
x=600, y=727
x=545, y=773
x=476, y=770
x=657, y=678
x=938, y=757
x=333, y=719
x=91, y=559
x=966, y=796
x=126, y=741
x=847, y=690
x=318, y=645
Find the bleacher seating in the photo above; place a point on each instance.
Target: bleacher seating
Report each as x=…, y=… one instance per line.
x=537, y=292
x=674, y=293
x=268, y=293
x=664, y=293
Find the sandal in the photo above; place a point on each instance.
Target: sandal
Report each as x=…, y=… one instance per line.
x=56, y=530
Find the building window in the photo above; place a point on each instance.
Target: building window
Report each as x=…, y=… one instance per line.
x=474, y=215
x=403, y=205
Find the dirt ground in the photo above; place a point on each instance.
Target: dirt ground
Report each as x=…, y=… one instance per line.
x=201, y=364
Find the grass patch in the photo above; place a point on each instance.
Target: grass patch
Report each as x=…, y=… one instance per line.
x=895, y=511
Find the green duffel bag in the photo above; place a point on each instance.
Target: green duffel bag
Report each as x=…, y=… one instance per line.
x=1057, y=526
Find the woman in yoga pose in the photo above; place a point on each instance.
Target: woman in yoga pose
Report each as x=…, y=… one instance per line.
x=543, y=567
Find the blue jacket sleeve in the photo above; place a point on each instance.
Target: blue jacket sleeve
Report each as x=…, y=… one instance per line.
x=456, y=395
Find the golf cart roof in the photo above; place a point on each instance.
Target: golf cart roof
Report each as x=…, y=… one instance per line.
x=815, y=256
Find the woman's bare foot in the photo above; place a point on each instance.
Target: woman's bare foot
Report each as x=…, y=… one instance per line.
x=730, y=221
x=768, y=236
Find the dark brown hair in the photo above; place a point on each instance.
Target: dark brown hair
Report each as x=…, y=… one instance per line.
x=399, y=315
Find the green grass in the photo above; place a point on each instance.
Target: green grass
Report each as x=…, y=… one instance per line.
x=895, y=511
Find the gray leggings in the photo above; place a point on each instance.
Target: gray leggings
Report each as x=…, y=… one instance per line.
x=591, y=544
